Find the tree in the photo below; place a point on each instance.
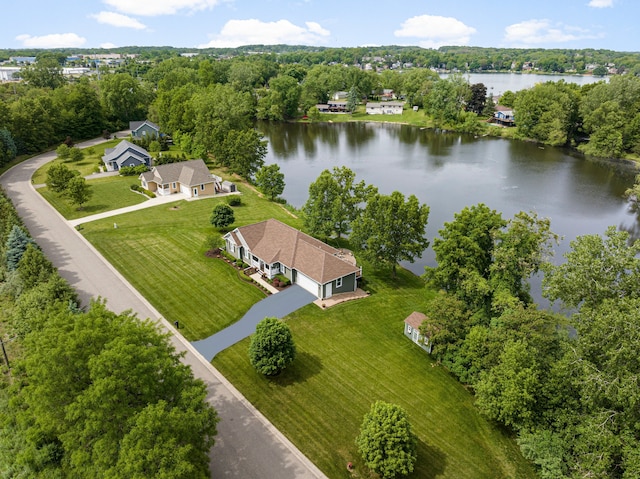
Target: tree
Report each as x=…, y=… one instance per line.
x=222, y=216
x=390, y=230
x=244, y=151
x=123, y=98
x=353, y=98
x=75, y=154
x=45, y=73
x=16, y=245
x=386, y=442
x=600, y=71
x=464, y=253
x=333, y=202
x=272, y=348
x=596, y=269
x=478, y=98
x=78, y=191
x=99, y=384
x=270, y=181
x=34, y=268
x=63, y=152
x=58, y=177
x=8, y=149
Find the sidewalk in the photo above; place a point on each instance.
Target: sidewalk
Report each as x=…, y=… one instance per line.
x=158, y=200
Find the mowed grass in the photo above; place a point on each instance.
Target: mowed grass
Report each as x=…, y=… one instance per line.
x=356, y=353
x=85, y=167
x=348, y=356
x=160, y=250
x=109, y=193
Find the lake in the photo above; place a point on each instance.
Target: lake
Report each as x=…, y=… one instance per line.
x=449, y=171
x=498, y=83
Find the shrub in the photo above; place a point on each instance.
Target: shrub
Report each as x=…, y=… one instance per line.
x=222, y=216
x=272, y=348
x=234, y=201
x=133, y=170
x=283, y=280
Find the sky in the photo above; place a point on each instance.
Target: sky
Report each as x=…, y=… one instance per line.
x=607, y=24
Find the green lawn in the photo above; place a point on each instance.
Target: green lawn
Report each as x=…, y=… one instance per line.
x=161, y=251
x=356, y=353
x=108, y=194
x=86, y=166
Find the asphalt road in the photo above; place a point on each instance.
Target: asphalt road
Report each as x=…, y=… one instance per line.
x=247, y=445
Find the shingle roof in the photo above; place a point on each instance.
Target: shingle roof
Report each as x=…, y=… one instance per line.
x=112, y=154
x=415, y=319
x=187, y=173
x=273, y=241
x=134, y=125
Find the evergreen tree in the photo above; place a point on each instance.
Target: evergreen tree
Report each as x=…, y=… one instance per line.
x=16, y=246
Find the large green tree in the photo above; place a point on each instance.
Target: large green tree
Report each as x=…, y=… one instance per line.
x=272, y=348
x=222, y=216
x=97, y=382
x=334, y=202
x=78, y=191
x=124, y=99
x=391, y=230
x=58, y=177
x=386, y=441
x=270, y=181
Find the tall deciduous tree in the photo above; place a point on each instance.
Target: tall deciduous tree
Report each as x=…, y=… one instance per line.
x=270, y=181
x=58, y=177
x=390, y=230
x=123, y=98
x=244, y=151
x=78, y=191
x=596, y=269
x=272, y=348
x=334, y=202
x=386, y=441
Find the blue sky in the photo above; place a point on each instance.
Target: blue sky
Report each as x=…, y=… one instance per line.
x=610, y=24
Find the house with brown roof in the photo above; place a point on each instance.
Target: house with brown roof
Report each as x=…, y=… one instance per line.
x=412, y=330
x=274, y=248
x=191, y=178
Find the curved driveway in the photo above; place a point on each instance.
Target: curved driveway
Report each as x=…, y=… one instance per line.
x=247, y=445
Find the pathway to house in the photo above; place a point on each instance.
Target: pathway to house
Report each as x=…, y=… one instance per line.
x=247, y=444
x=277, y=305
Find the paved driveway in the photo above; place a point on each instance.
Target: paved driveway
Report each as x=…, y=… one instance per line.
x=277, y=305
x=247, y=444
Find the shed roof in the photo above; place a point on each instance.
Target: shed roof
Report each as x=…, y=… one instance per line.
x=415, y=319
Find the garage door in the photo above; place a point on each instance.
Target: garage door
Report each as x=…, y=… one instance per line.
x=307, y=283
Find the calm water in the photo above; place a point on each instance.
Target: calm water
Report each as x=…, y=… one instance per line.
x=450, y=171
x=498, y=83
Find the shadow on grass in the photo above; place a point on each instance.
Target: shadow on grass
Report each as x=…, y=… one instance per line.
x=304, y=367
x=431, y=461
x=89, y=209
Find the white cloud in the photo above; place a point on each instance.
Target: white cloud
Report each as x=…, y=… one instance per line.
x=236, y=33
x=117, y=20
x=533, y=32
x=54, y=40
x=152, y=8
x=108, y=45
x=436, y=31
x=600, y=3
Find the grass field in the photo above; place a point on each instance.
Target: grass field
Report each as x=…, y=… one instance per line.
x=348, y=356
x=108, y=194
x=161, y=251
x=356, y=353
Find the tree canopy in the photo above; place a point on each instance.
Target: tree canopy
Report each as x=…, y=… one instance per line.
x=272, y=348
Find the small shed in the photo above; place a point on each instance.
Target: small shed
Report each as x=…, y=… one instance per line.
x=412, y=330
x=228, y=187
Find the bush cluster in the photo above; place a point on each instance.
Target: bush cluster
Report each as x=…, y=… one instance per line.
x=133, y=170
x=234, y=201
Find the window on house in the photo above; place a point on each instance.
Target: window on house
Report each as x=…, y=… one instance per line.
x=409, y=329
x=202, y=187
x=173, y=185
x=339, y=283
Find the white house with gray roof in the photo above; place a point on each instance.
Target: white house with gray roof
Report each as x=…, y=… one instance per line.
x=125, y=154
x=191, y=178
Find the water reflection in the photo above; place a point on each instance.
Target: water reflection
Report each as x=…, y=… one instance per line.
x=449, y=171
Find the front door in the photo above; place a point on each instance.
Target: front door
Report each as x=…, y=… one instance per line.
x=329, y=290
x=195, y=192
